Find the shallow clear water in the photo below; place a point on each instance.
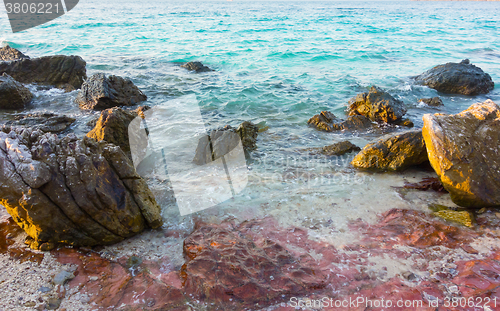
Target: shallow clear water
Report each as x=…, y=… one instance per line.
x=276, y=63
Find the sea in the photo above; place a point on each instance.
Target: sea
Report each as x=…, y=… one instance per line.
x=276, y=64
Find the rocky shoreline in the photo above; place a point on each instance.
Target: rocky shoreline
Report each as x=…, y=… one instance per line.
x=70, y=197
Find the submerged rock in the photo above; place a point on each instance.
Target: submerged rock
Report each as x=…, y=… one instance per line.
x=221, y=141
x=72, y=191
x=463, y=150
x=393, y=152
x=231, y=268
x=457, y=78
x=196, y=66
x=377, y=105
x=9, y=54
x=45, y=122
x=13, y=95
x=112, y=127
x=328, y=122
x=461, y=217
x=65, y=72
x=336, y=149
x=433, y=101
x=100, y=92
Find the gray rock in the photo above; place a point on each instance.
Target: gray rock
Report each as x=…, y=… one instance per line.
x=62, y=277
x=457, y=78
x=9, y=54
x=45, y=122
x=222, y=141
x=13, y=95
x=65, y=72
x=100, y=92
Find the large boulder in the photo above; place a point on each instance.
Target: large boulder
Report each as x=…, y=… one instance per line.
x=66, y=72
x=7, y=54
x=13, y=95
x=377, y=105
x=457, y=78
x=100, y=92
x=221, y=141
x=112, y=127
x=464, y=151
x=72, y=191
x=45, y=122
x=328, y=122
x=393, y=152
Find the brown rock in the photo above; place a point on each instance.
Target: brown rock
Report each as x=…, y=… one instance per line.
x=112, y=127
x=72, y=191
x=196, y=66
x=377, y=105
x=8, y=54
x=100, y=92
x=393, y=152
x=13, y=95
x=45, y=122
x=328, y=122
x=463, y=150
x=66, y=72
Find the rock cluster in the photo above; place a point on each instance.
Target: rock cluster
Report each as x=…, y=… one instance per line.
x=13, y=95
x=457, y=78
x=99, y=92
x=72, y=191
x=328, y=122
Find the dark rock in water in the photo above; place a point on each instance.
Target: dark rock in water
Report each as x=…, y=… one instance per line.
x=457, y=78
x=45, y=122
x=463, y=150
x=100, y=92
x=328, y=122
x=433, y=101
x=112, y=127
x=393, y=152
x=13, y=95
x=221, y=141
x=248, y=133
x=72, y=191
x=377, y=105
x=230, y=268
x=340, y=148
x=404, y=122
x=196, y=66
x=336, y=149
x=8, y=54
x=65, y=72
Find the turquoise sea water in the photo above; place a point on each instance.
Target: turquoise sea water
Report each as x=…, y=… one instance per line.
x=277, y=63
